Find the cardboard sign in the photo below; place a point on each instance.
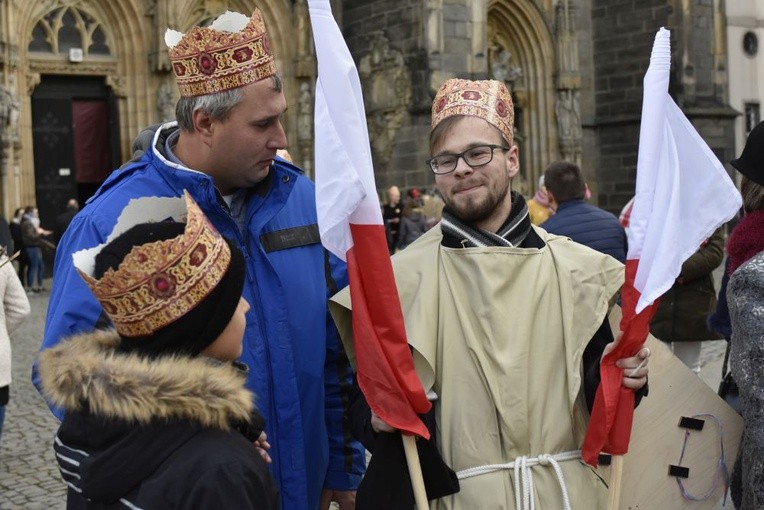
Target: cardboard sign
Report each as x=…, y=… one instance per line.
x=657, y=438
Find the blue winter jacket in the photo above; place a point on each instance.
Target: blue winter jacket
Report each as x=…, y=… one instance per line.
x=298, y=371
x=590, y=226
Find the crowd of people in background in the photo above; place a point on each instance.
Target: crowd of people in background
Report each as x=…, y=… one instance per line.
x=408, y=218
x=25, y=239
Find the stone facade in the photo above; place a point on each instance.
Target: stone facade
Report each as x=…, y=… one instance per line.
x=575, y=68
x=119, y=44
x=623, y=34
x=745, y=43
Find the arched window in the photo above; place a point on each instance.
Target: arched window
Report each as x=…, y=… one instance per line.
x=64, y=28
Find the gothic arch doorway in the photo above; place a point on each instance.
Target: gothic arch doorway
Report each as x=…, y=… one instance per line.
x=75, y=140
x=521, y=53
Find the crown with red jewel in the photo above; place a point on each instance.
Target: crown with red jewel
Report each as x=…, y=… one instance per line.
x=230, y=53
x=158, y=282
x=488, y=99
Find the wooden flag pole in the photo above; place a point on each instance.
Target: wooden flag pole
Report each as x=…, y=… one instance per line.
x=415, y=472
x=614, y=490
x=12, y=258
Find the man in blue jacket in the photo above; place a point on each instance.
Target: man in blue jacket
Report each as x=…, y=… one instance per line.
x=574, y=218
x=222, y=149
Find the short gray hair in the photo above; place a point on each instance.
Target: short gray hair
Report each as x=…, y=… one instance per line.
x=218, y=105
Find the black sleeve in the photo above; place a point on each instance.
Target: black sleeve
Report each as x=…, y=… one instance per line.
x=591, y=361
x=251, y=429
x=359, y=417
x=386, y=483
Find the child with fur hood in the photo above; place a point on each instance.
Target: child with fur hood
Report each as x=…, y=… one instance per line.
x=156, y=411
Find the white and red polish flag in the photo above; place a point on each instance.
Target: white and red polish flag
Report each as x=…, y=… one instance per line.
x=351, y=227
x=683, y=194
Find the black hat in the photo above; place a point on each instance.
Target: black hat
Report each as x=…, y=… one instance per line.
x=751, y=161
x=166, y=278
x=198, y=327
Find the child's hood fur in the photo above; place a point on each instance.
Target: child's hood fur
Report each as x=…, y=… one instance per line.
x=88, y=369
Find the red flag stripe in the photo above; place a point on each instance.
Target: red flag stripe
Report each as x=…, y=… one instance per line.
x=385, y=366
x=610, y=423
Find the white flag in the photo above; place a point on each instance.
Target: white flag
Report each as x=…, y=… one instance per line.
x=345, y=188
x=683, y=191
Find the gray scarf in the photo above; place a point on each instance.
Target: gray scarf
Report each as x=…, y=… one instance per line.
x=512, y=233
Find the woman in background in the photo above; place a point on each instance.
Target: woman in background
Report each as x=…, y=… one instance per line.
x=14, y=307
x=745, y=297
x=412, y=225
x=18, y=243
x=32, y=236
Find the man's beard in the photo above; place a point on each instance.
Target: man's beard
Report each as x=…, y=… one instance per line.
x=471, y=212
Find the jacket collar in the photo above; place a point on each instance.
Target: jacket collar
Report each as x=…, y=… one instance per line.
x=88, y=370
x=570, y=203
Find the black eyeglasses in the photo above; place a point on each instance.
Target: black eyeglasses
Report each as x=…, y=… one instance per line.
x=474, y=157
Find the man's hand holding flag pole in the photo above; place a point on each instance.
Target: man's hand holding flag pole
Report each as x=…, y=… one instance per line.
x=683, y=194
x=350, y=223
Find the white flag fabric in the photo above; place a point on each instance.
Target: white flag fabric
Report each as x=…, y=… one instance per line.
x=683, y=192
x=350, y=223
x=345, y=188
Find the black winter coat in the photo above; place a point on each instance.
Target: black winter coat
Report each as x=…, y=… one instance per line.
x=683, y=309
x=152, y=434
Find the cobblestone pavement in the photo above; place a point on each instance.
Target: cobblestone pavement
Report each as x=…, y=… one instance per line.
x=29, y=479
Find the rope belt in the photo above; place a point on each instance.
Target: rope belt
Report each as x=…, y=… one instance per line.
x=523, y=474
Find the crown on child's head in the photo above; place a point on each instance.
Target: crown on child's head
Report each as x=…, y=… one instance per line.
x=158, y=282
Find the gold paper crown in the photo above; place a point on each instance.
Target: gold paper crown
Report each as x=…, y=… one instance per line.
x=206, y=61
x=157, y=283
x=488, y=99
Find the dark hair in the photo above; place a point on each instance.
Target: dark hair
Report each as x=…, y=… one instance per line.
x=564, y=180
x=409, y=207
x=753, y=195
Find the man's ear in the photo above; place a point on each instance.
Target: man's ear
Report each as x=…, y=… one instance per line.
x=550, y=197
x=203, y=124
x=513, y=161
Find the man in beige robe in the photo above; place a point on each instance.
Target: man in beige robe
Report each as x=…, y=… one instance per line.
x=507, y=323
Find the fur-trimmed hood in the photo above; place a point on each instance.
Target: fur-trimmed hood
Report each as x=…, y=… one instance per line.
x=88, y=369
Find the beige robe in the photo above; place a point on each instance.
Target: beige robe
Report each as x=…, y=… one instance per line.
x=498, y=334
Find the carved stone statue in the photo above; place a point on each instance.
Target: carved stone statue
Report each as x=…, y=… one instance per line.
x=568, y=111
x=305, y=113
x=302, y=29
x=9, y=112
x=387, y=91
x=165, y=102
